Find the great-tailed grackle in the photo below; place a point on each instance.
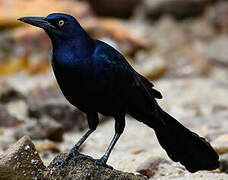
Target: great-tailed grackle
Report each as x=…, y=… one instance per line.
x=96, y=78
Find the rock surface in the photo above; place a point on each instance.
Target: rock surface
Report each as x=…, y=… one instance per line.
x=85, y=169
x=21, y=161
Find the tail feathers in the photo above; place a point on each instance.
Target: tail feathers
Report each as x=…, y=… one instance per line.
x=184, y=146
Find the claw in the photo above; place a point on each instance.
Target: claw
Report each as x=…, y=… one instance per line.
x=85, y=156
x=102, y=162
x=73, y=153
x=63, y=161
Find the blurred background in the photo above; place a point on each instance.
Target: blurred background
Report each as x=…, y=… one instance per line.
x=181, y=45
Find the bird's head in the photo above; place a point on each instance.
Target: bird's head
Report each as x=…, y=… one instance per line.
x=56, y=25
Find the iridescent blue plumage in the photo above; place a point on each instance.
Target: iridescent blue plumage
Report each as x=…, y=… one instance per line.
x=96, y=78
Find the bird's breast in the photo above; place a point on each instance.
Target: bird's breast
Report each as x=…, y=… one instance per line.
x=82, y=88
x=87, y=85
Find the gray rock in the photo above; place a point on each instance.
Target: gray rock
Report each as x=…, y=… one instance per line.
x=8, y=94
x=21, y=161
x=7, y=120
x=52, y=104
x=84, y=169
x=45, y=128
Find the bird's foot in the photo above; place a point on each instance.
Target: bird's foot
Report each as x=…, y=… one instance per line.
x=85, y=156
x=73, y=153
x=102, y=162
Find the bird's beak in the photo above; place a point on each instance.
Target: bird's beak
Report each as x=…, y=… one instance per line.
x=37, y=21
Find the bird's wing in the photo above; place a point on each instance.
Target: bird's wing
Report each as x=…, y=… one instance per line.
x=124, y=74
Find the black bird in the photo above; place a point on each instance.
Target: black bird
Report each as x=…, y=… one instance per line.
x=96, y=78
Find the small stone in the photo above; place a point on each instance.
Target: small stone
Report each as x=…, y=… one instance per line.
x=220, y=144
x=51, y=172
x=28, y=157
x=18, y=165
x=47, y=145
x=136, y=150
x=224, y=163
x=150, y=167
x=8, y=94
x=27, y=147
x=7, y=120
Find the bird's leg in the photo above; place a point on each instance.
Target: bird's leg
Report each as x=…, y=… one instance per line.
x=74, y=151
x=93, y=122
x=102, y=161
x=119, y=127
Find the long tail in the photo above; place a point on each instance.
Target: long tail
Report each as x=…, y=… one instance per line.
x=182, y=145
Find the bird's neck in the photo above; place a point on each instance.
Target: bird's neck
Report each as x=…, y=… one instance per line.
x=81, y=45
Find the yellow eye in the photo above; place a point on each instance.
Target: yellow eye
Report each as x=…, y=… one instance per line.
x=61, y=23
